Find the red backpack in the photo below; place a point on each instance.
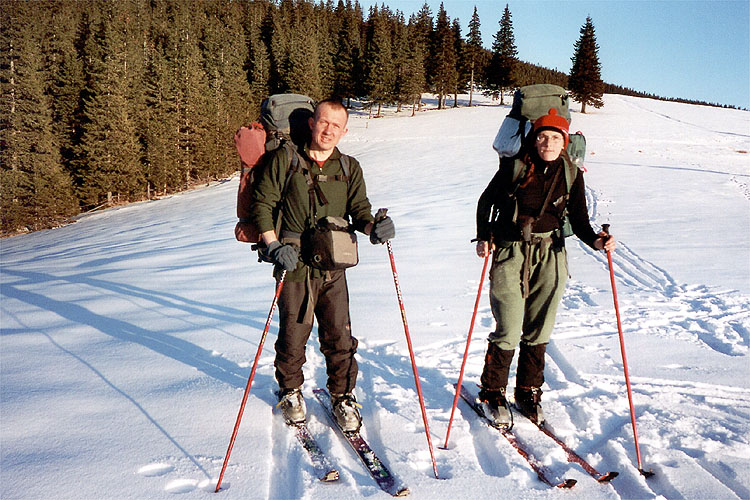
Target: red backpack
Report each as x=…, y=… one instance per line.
x=284, y=123
x=250, y=142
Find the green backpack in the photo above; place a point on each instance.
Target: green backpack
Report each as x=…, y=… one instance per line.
x=530, y=103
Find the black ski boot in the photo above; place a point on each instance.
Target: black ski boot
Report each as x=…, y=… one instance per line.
x=496, y=407
x=529, y=380
x=529, y=402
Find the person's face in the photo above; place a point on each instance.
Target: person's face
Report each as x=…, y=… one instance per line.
x=549, y=144
x=328, y=127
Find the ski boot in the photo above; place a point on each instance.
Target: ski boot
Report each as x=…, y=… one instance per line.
x=346, y=412
x=529, y=403
x=292, y=405
x=496, y=407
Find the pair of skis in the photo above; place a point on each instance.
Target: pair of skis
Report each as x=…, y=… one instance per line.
x=326, y=472
x=536, y=465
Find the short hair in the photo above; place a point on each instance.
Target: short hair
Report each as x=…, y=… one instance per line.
x=333, y=102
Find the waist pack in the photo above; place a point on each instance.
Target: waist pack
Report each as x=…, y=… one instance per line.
x=330, y=245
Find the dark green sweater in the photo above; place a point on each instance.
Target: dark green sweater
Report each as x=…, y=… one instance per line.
x=344, y=199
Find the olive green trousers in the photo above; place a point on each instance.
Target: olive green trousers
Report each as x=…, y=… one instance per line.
x=528, y=318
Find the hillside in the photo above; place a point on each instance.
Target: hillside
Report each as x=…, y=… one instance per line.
x=127, y=337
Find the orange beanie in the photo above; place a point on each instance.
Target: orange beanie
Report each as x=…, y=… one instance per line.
x=553, y=121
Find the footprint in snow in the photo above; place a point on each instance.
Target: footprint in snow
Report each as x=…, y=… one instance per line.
x=156, y=469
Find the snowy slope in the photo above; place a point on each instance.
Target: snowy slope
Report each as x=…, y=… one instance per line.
x=127, y=338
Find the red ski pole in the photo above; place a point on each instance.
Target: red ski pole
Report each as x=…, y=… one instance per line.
x=466, y=351
x=379, y=215
x=605, y=228
x=279, y=286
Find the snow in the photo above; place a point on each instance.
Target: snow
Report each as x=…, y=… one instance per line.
x=127, y=337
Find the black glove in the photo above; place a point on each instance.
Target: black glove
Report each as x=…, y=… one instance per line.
x=284, y=256
x=382, y=231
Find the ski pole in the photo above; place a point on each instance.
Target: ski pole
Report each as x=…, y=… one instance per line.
x=605, y=229
x=466, y=351
x=378, y=216
x=279, y=286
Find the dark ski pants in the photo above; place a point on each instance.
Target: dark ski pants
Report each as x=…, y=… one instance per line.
x=329, y=299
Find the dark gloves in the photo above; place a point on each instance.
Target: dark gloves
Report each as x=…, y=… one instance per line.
x=284, y=256
x=382, y=231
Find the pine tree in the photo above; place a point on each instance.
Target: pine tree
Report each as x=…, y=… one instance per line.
x=443, y=57
x=585, y=82
x=473, y=52
x=501, y=69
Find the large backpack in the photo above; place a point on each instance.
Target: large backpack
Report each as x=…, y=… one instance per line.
x=283, y=123
x=530, y=103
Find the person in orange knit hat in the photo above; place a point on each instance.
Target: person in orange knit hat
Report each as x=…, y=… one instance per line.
x=533, y=202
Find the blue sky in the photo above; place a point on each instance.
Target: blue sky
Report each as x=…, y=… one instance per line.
x=688, y=49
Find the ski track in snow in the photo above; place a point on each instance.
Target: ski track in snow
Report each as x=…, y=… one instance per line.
x=716, y=319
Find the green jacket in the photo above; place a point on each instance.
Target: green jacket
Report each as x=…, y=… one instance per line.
x=347, y=199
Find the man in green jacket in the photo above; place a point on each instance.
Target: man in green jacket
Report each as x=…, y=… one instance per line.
x=320, y=187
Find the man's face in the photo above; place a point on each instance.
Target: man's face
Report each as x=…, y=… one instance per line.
x=328, y=127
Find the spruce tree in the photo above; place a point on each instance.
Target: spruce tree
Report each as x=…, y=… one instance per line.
x=108, y=152
x=501, y=69
x=585, y=81
x=443, y=56
x=462, y=76
x=423, y=33
x=225, y=53
x=65, y=77
x=193, y=105
x=34, y=191
x=378, y=61
x=348, y=49
x=258, y=65
x=473, y=52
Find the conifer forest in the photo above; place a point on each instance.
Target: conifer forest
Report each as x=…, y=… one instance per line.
x=107, y=102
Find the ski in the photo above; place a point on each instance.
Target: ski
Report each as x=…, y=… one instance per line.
x=323, y=468
x=573, y=457
x=379, y=472
x=541, y=471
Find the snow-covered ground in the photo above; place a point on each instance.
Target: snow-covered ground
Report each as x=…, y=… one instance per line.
x=127, y=338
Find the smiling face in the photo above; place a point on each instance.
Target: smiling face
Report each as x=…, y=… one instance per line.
x=549, y=144
x=328, y=126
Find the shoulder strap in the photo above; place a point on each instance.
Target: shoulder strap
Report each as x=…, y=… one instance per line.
x=519, y=168
x=345, y=160
x=571, y=171
x=293, y=161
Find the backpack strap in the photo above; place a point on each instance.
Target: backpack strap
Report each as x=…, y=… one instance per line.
x=293, y=160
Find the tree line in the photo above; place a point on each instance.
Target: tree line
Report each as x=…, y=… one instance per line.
x=109, y=102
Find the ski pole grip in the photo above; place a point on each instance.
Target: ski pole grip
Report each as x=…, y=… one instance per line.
x=380, y=214
x=605, y=228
